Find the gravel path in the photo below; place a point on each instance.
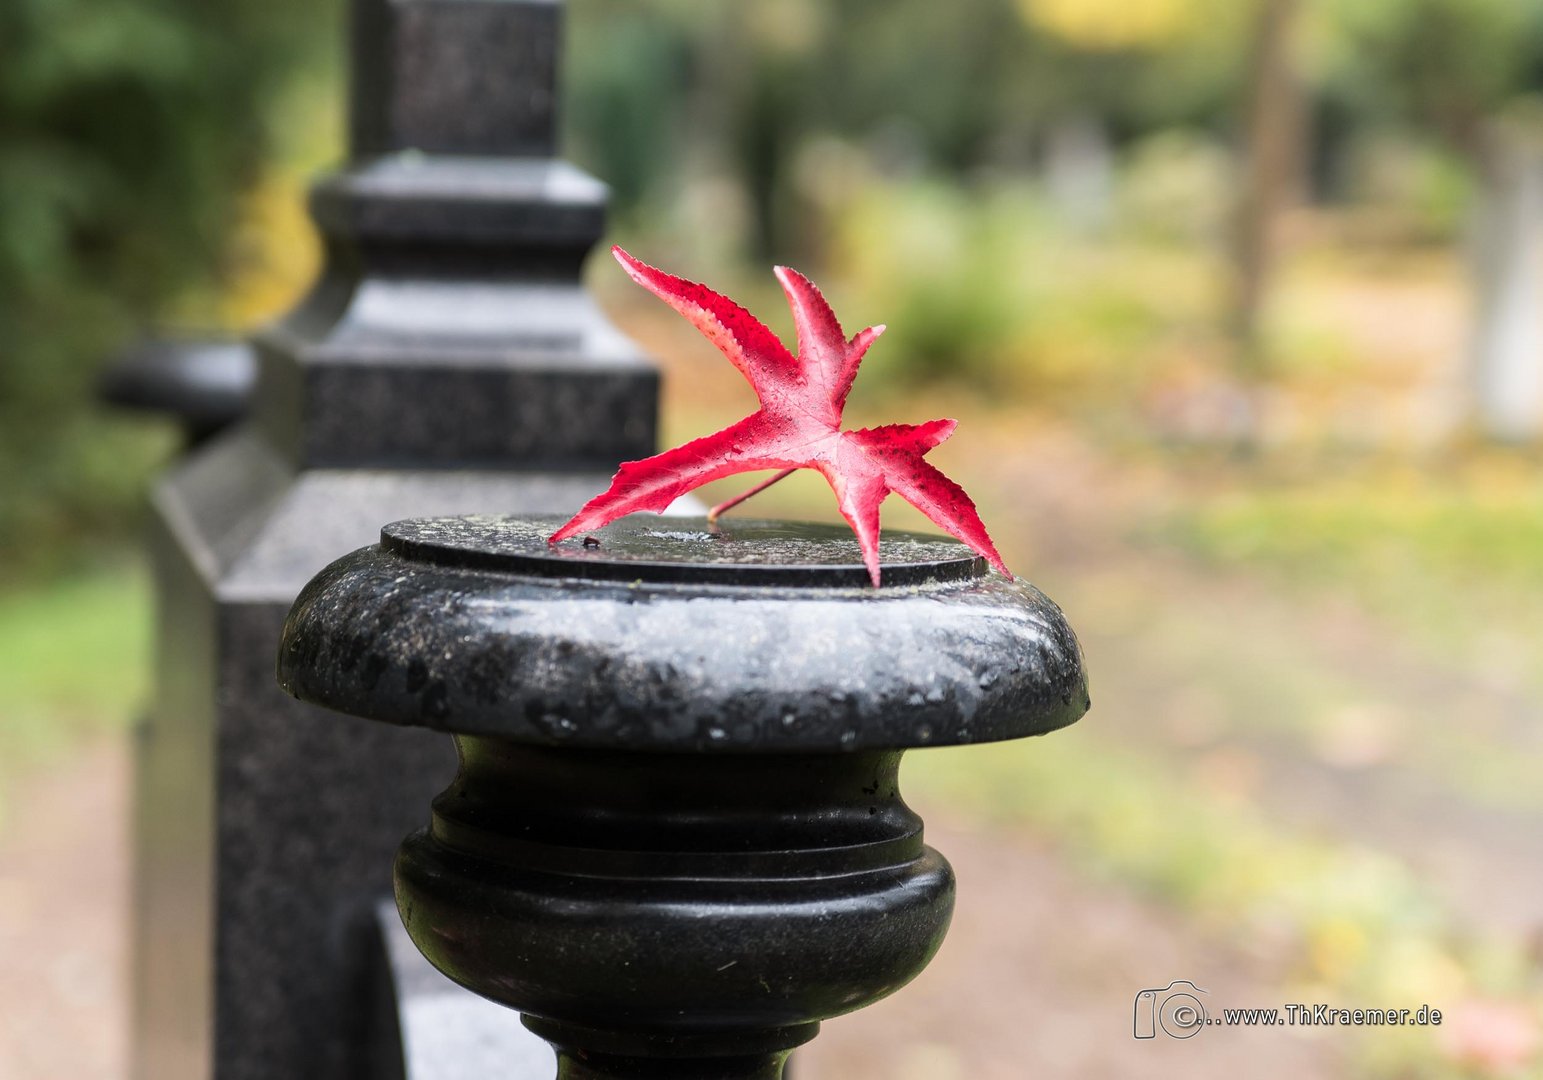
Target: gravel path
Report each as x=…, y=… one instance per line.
x=63, y=919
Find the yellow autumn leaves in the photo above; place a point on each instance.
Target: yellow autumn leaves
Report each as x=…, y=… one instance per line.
x=1113, y=24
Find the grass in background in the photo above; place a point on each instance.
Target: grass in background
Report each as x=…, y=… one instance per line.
x=74, y=661
x=84, y=489
x=1452, y=559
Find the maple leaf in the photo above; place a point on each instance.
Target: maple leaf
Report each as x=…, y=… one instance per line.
x=797, y=426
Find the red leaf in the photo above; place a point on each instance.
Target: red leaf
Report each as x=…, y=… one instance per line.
x=797, y=426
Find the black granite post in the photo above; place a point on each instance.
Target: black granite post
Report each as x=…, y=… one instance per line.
x=676, y=841
x=205, y=385
x=448, y=360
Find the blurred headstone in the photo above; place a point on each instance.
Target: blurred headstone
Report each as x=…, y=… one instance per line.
x=1508, y=335
x=1079, y=170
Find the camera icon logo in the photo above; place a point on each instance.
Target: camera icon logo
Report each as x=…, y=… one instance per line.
x=1176, y=1009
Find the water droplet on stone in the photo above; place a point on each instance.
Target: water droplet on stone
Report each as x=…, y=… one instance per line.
x=789, y=719
x=558, y=725
x=717, y=734
x=924, y=733
x=935, y=695
x=848, y=738
x=915, y=699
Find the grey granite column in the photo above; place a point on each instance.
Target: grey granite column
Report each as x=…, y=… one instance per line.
x=447, y=361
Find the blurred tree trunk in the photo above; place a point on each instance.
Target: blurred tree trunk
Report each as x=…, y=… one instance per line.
x=1273, y=137
x=1507, y=363
x=765, y=139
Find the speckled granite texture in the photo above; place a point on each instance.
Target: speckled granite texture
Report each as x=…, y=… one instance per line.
x=477, y=626
x=447, y=361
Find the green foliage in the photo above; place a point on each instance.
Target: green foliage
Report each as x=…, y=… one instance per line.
x=1444, y=65
x=620, y=84
x=932, y=255
x=126, y=137
x=1417, y=184
x=661, y=89
x=985, y=285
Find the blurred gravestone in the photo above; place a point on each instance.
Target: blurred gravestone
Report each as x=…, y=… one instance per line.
x=1508, y=343
x=447, y=361
x=1079, y=170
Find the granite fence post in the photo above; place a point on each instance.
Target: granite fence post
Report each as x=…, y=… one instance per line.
x=447, y=360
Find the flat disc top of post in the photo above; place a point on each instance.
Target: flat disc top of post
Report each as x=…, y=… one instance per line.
x=682, y=550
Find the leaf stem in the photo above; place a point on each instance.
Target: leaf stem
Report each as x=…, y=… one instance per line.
x=729, y=504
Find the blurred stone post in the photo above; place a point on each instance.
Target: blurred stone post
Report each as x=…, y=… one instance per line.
x=447, y=360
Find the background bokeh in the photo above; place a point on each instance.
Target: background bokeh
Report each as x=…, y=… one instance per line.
x=1238, y=304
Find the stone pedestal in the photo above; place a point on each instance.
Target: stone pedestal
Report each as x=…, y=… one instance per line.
x=676, y=840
